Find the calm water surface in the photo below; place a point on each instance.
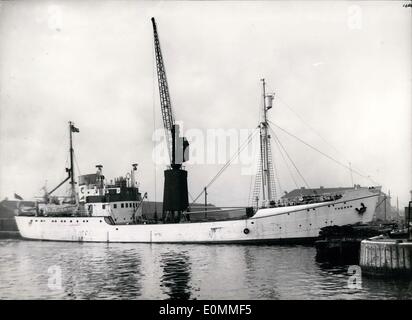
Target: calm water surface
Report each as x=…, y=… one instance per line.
x=30, y=270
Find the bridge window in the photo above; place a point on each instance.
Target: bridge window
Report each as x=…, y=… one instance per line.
x=122, y=205
x=115, y=206
x=103, y=206
x=127, y=205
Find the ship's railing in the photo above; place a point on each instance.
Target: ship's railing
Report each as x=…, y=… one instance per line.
x=303, y=200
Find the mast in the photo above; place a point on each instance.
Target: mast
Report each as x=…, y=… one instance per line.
x=264, y=147
x=72, y=129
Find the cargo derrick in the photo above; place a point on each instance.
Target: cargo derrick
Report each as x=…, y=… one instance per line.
x=175, y=192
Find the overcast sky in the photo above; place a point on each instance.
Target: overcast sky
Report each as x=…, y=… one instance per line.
x=341, y=72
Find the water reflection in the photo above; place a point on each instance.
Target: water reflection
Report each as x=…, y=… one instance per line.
x=115, y=271
x=176, y=274
x=144, y=271
x=370, y=287
x=257, y=263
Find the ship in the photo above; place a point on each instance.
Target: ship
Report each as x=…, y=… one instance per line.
x=111, y=211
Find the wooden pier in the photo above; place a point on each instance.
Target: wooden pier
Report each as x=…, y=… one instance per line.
x=341, y=244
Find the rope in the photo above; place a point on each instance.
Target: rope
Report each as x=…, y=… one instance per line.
x=324, y=154
x=240, y=149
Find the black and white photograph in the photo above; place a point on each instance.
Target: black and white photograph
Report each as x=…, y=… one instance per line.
x=205, y=150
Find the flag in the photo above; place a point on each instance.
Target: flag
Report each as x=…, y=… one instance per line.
x=74, y=129
x=16, y=196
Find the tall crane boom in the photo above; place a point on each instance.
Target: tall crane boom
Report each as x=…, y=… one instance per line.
x=175, y=192
x=165, y=103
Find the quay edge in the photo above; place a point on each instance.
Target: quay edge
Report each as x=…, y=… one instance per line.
x=380, y=256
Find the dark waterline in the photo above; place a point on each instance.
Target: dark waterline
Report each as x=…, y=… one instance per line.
x=29, y=269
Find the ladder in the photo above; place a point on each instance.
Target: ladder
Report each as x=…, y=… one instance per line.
x=272, y=173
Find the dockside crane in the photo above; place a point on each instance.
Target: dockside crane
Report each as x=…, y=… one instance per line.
x=175, y=192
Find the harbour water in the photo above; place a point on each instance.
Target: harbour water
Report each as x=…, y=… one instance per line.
x=64, y=270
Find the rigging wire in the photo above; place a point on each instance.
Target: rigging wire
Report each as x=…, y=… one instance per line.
x=324, y=140
x=240, y=149
x=254, y=176
x=290, y=159
x=250, y=190
x=154, y=125
x=77, y=165
x=275, y=170
x=324, y=154
x=190, y=195
x=284, y=159
x=310, y=127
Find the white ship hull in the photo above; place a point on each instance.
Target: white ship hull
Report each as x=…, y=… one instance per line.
x=292, y=223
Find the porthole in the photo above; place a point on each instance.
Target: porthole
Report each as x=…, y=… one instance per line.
x=100, y=220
